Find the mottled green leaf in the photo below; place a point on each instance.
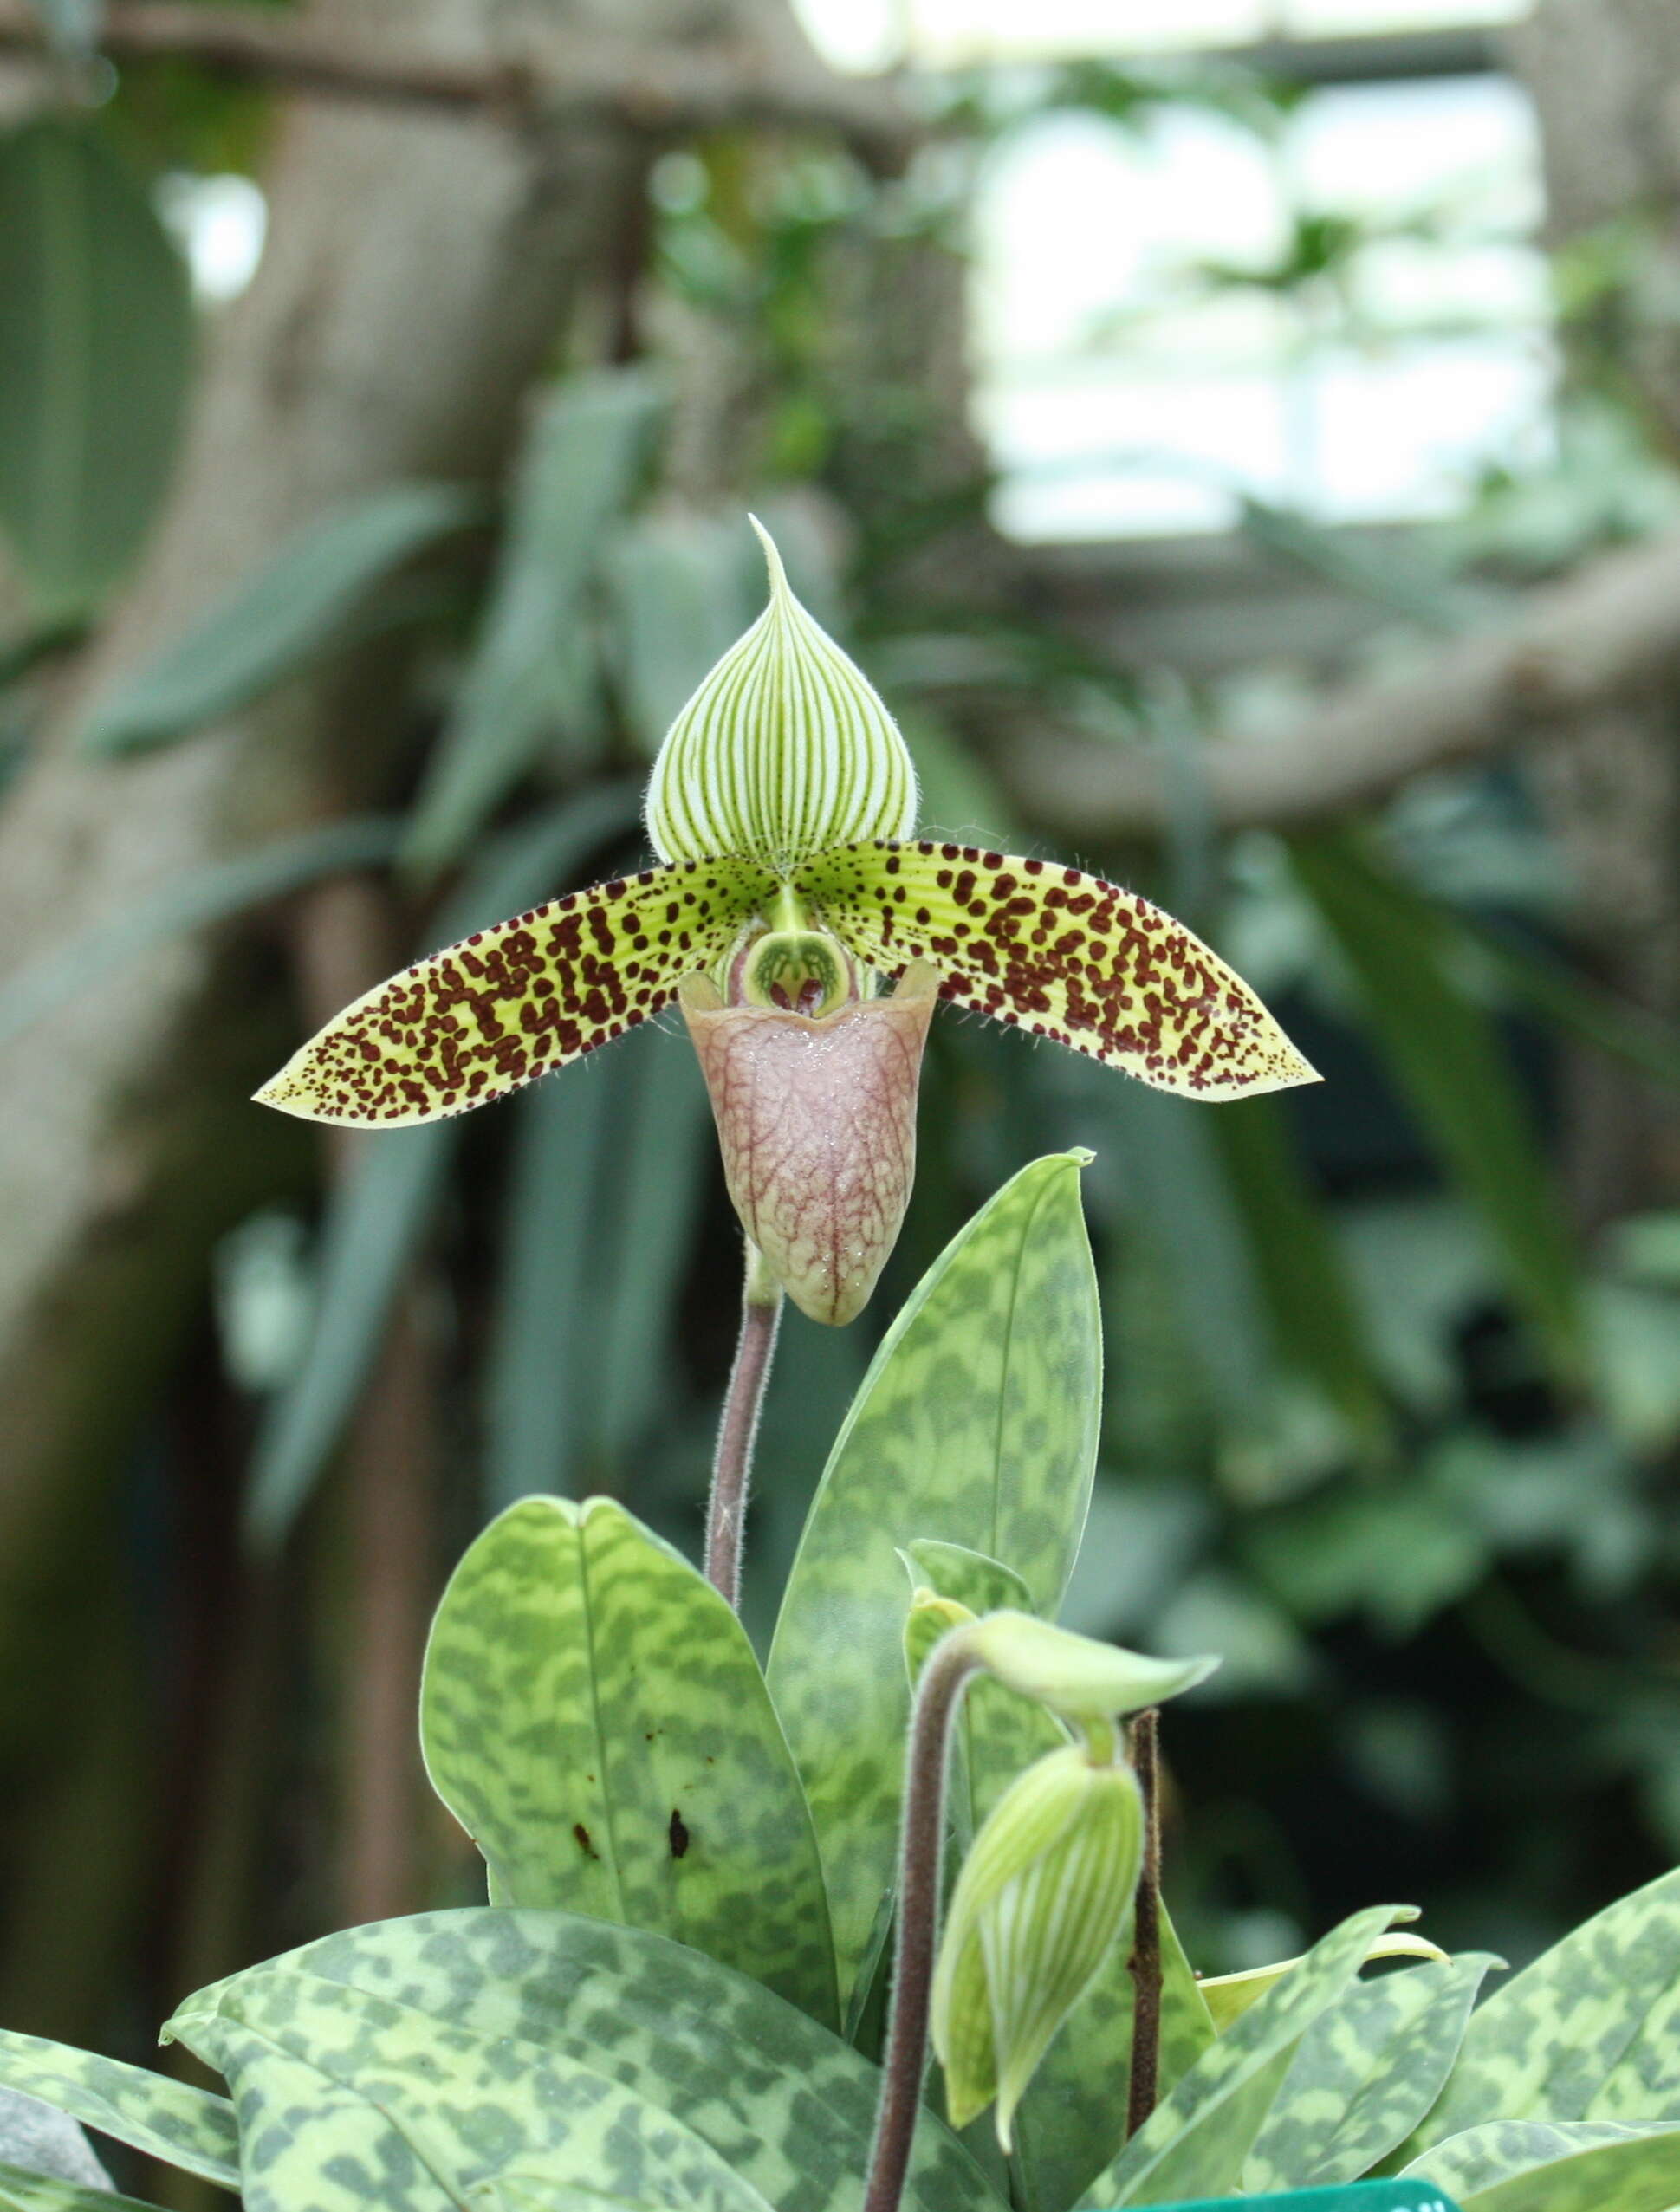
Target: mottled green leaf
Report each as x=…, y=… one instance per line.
x=1591, y=2031
x=976, y=1424
x=532, y=676
x=274, y=622
x=1531, y=2166
x=1195, y=2142
x=593, y=1714
x=790, y=2106
x=1364, y=2075
x=21, y=2192
x=95, y=353
x=167, y=2120
x=346, y=2100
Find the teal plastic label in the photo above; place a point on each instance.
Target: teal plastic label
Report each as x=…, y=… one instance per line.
x=1413, y=2195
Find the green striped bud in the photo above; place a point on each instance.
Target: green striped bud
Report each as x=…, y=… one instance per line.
x=1041, y=1898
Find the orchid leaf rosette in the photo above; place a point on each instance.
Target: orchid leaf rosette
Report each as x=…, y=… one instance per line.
x=790, y=892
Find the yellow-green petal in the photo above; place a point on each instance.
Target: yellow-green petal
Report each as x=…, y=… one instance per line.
x=508, y=1004
x=785, y=749
x=1059, y=953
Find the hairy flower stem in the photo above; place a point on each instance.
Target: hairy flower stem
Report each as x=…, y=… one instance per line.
x=1147, y=1937
x=943, y=1678
x=731, y=1469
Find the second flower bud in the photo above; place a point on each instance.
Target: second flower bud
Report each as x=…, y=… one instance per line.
x=1040, y=1900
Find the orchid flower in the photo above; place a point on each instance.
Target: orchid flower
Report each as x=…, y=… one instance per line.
x=789, y=889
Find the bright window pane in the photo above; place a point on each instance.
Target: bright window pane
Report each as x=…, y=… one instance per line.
x=873, y=34
x=1129, y=382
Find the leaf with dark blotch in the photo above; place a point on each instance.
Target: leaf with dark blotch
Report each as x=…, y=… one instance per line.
x=593, y=1716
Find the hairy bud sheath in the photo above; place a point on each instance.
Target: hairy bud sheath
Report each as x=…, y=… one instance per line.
x=1041, y=1898
x=816, y=1119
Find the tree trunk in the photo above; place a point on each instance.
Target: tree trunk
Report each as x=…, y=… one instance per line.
x=418, y=271
x=1604, y=76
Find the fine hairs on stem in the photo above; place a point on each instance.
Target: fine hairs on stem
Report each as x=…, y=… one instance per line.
x=1146, y=1938
x=943, y=1679
x=731, y=1469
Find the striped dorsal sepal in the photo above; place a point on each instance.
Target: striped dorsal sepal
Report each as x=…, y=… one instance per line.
x=507, y=1004
x=785, y=750
x=1061, y=954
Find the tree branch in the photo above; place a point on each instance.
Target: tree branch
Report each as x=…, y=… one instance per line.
x=666, y=91
x=1609, y=633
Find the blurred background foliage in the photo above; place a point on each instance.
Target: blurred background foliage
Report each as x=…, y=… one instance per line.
x=1394, y=1398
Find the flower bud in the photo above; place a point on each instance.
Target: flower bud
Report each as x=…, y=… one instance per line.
x=816, y=1118
x=1074, y=1674
x=1041, y=1898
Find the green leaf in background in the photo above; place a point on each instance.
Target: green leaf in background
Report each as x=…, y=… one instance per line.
x=95, y=355
x=1448, y=1060
x=790, y=2106
x=1299, y=1271
x=167, y=2120
x=193, y=902
x=279, y=619
x=681, y=589
x=1364, y=2076
x=1195, y=2142
x=378, y=1216
x=593, y=1714
x=1400, y=582
x=1591, y=2031
x=25, y=2192
x=608, y=1174
x=537, y=1382
x=533, y=676
x=976, y=1424
x=1516, y=2166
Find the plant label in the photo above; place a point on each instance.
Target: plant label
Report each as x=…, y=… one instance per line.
x=1415, y=2194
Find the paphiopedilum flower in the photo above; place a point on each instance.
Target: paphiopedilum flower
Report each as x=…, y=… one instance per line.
x=790, y=888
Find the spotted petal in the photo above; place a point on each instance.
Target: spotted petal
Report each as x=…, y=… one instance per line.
x=508, y=1004
x=1061, y=954
x=784, y=751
